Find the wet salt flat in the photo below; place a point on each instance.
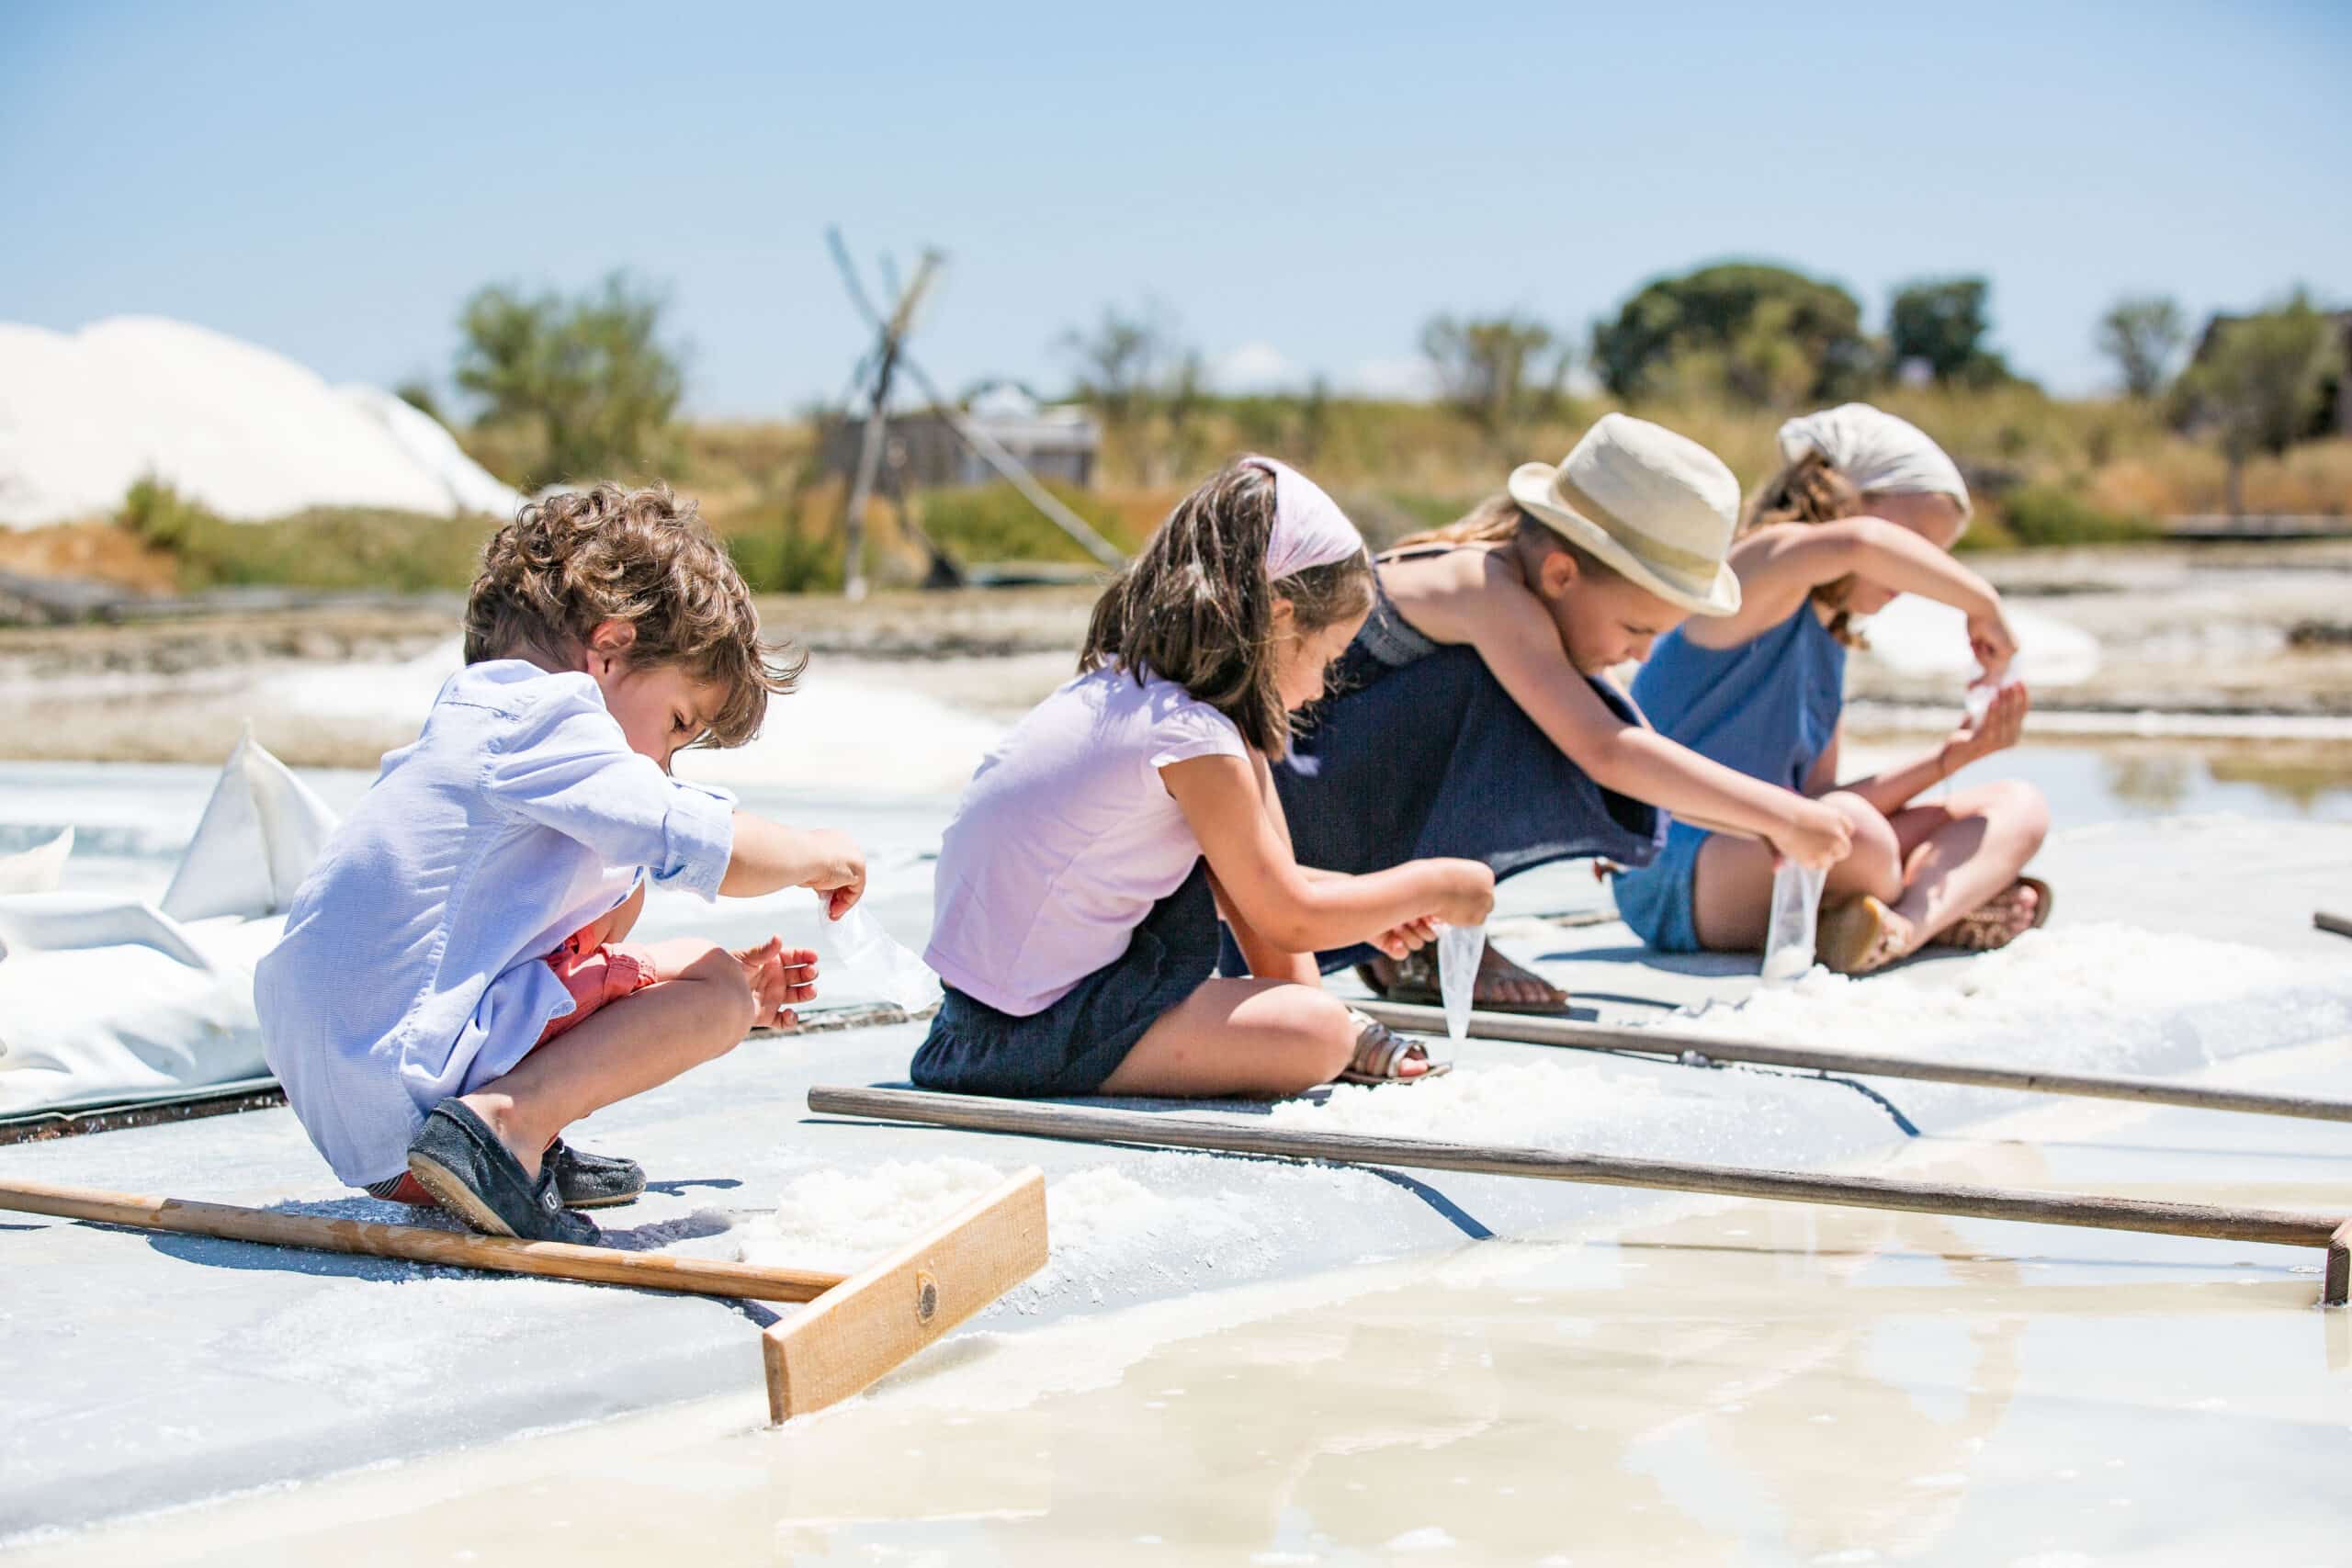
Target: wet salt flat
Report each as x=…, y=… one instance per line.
x=1229, y=1361
x=1709, y=1382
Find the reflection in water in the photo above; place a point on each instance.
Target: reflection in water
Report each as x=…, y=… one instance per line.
x=2158, y=784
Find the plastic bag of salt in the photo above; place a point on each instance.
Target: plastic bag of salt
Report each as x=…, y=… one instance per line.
x=1459, y=949
x=1796, y=908
x=858, y=944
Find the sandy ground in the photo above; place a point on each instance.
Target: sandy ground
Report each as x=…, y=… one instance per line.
x=2209, y=635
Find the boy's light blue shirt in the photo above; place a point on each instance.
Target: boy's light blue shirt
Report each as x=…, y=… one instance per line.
x=412, y=964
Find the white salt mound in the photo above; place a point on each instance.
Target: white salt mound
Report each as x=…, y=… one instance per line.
x=2100, y=996
x=840, y=732
x=245, y=432
x=1921, y=638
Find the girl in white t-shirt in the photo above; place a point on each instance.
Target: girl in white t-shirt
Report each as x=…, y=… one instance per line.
x=1081, y=881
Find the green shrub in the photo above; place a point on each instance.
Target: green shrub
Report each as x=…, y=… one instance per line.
x=786, y=561
x=2055, y=514
x=996, y=523
x=325, y=548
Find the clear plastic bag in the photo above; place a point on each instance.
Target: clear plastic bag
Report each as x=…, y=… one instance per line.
x=1459, y=948
x=857, y=947
x=1981, y=695
x=1796, y=909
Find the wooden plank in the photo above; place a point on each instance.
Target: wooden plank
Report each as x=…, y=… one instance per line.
x=2327, y=921
x=420, y=1243
x=872, y=1321
x=1574, y=1035
x=1087, y=1124
x=2336, y=1290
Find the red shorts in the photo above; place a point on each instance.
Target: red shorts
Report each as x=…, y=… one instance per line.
x=595, y=975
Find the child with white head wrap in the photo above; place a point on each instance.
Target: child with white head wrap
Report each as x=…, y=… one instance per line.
x=1851, y=522
x=1878, y=453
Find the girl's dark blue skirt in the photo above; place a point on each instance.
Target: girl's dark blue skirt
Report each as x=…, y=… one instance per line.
x=1423, y=753
x=1071, y=1046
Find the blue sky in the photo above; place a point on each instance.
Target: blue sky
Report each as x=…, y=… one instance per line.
x=1300, y=188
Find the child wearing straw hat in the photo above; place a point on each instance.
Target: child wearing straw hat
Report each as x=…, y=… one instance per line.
x=1865, y=508
x=1081, y=881
x=1475, y=719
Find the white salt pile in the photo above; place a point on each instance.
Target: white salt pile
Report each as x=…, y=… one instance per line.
x=2097, y=997
x=1113, y=1230
x=1923, y=640
x=246, y=433
x=844, y=731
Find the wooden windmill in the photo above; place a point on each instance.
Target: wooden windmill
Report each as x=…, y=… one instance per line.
x=875, y=376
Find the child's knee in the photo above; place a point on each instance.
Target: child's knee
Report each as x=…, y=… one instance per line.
x=724, y=991
x=1316, y=1036
x=2020, y=810
x=1876, y=858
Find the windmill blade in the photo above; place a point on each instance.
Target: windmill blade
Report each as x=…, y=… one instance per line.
x=849, y=277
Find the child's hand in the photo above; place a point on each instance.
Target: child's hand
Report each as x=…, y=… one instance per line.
x=1990, y=639
x=1468, y=893
x=835, y=867
x=1398, y=940
x=780, y=976
x=1816, y=836
x=2002, y=724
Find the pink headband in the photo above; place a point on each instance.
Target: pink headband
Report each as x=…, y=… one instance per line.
x=1309, y=527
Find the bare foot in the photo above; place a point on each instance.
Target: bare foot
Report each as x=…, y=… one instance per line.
x=1500, y=982
x=1996, y=923
x=1863, y=934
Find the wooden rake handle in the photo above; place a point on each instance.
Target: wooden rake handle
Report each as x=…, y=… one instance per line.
x=419, y=1244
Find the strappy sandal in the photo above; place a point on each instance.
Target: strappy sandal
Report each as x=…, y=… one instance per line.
x=1380, y=1051
x=1980, y=932
x=1414, y=982
x=1857, y=936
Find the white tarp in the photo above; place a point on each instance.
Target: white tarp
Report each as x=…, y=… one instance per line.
x=105, y=998
x=244, y=431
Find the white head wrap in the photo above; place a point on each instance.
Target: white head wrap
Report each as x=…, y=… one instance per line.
x=1875, y=451
x=1309, y=527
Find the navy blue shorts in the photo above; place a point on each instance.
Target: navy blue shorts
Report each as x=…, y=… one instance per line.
x=1071, y=1046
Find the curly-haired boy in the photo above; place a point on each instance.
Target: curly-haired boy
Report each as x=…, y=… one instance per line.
x=450, y=992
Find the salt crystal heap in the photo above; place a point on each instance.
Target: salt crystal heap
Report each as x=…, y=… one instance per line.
x=240, y=430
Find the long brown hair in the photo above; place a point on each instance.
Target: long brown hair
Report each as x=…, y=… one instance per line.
x=1195, y=605
x=1811, y=490
x=1499, y=519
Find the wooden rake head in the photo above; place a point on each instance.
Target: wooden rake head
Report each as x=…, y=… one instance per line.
x=872, y=1321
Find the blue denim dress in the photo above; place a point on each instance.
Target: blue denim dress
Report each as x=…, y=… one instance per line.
x=1421, y=752
x=1768, y=708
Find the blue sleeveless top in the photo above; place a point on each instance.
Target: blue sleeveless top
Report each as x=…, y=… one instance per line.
x=1768, y=708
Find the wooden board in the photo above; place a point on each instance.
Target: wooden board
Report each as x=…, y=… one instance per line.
x=420, y=1243
x=2336, y=1290
x=1575, y=1035
x=2327, y=921
x=1074, y=1123
x=873, y=1320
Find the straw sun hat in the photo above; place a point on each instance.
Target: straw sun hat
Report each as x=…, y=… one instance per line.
x=1654, y=506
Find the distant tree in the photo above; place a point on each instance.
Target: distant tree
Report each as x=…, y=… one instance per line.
x=591, y=373
x=2143, y=334
x=2260, y=383
x=1942, y=323
x=1497, y=370
x=1757, y=333
x=1122, y=359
